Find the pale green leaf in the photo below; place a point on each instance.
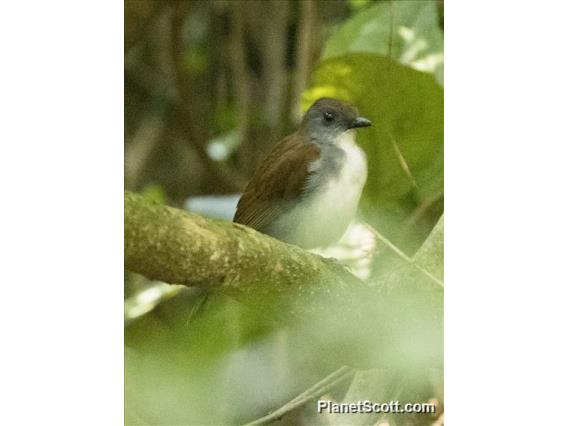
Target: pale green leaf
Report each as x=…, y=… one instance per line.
x=407, y=31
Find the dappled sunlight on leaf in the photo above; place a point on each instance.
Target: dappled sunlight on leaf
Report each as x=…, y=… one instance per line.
x=406, y=31
x=308, y=98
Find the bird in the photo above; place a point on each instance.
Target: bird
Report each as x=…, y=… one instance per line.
x=307, y=190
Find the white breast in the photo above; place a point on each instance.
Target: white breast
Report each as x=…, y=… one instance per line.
x=323, y=219
x=345, y=190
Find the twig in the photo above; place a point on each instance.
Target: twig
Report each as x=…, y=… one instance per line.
x=183, y=84
x=321, y=385
x=402, y=161
x=140, y=147
x=273, y=57
x=316, y=390
x=238, y=64
x=391, y=31
x=304, y=48
x=423, y=208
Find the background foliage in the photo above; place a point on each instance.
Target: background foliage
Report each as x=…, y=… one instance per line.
x=209, y=88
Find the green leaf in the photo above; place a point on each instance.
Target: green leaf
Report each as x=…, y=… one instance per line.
x=404, y=146
x=407, y=31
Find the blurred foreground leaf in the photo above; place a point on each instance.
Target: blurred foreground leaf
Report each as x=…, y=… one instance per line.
x=231, y=364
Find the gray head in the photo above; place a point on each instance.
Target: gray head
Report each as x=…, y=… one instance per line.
x=329, y=118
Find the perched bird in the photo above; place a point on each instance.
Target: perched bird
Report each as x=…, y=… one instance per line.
x=307, y=189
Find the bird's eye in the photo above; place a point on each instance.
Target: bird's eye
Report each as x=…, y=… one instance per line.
x=328, y=116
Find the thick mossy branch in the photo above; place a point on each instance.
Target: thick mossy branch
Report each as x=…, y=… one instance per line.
x=400, y=319
x=174, y=246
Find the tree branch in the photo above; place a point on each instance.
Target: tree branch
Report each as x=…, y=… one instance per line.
x=278, y=279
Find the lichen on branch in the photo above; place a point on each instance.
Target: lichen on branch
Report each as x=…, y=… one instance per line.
x=177, y=247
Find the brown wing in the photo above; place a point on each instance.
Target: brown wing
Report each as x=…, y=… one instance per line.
x=279, y=181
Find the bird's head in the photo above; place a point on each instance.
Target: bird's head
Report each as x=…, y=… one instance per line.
x=328, y=119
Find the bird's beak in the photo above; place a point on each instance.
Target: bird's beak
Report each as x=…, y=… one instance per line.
x=360, y=122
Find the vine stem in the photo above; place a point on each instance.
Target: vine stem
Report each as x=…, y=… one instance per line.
x=401, y=254
x=309, y=394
